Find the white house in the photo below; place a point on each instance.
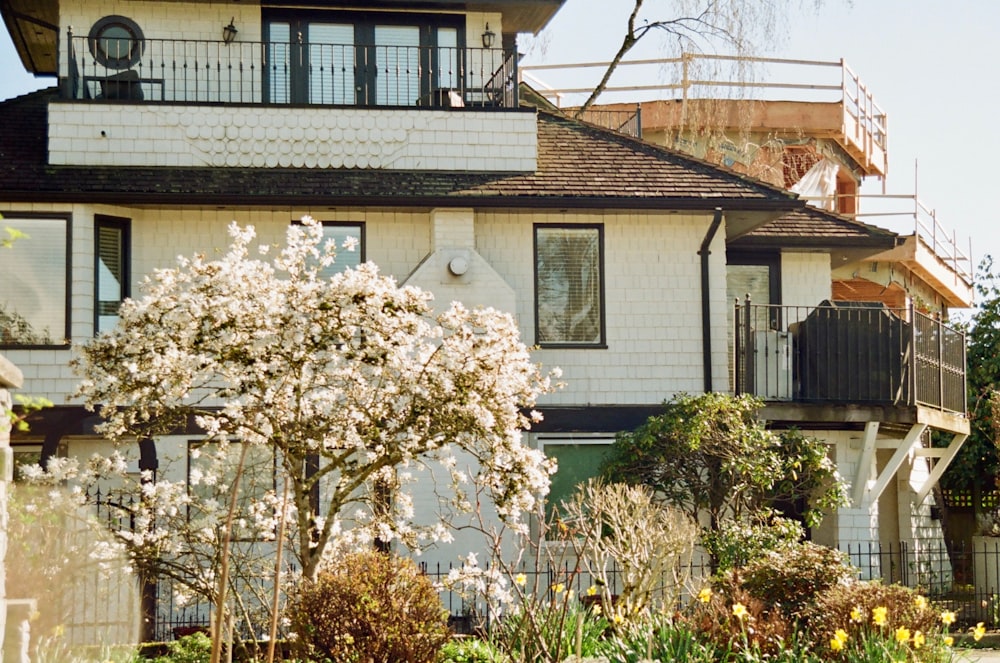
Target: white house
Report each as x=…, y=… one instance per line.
x=401, y=123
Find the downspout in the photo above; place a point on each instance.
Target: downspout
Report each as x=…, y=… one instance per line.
x=706, y=304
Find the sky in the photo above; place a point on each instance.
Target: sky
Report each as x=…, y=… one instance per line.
x=931, y=65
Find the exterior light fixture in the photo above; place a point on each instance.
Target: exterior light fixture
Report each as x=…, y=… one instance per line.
x=229, y=32
x=488, y=37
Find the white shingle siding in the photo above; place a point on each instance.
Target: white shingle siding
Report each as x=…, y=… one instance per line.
x=652, y=286
x=88, y=134
x=805, y=278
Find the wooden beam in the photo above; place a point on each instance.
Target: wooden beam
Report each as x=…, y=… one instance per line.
x=865, y=462
x=889, y=471
x=939, y=467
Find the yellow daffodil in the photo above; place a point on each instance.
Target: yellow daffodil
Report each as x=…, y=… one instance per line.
x=618, y=618
x=559, y=588
x=879, y=615
x=921, y=602
x=739, y=610
x=591, y=590
x=902, y=634
x=857, y=615
x=947, y=617
x=949, y=641
x=521, y=579
x=705, y=595
x=918, y=640
x=835, y=644
x=978, y=632
x=841, y=635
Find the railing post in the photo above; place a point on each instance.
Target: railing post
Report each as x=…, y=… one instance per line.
x=913, y=356
x=750, y=385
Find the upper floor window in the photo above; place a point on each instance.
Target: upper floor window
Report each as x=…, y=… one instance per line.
x=569, y=285
x=116, y=42
x=111, y=273
x=340, y=233
x=34, y=298
x=362, y=59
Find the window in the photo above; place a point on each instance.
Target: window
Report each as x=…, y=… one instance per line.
x=212, y=473
x=116, y=42
x=579, y=459
x=569, y=286
x=361, y=59
x=111, y=273
x=338, y=232
x=34, y=299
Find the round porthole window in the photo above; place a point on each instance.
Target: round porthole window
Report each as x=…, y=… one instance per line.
x=116, y=42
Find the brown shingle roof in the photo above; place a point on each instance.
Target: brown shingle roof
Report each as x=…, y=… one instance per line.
x=578, y=165
x=812, y=227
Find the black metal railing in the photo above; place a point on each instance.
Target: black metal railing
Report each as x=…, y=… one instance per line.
x=861, y=352
x=194, y=71
x=960, y=577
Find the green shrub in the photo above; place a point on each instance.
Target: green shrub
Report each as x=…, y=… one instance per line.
x=738, y=542
x=194, y=648
x=790, y=577
x=470, y=650
x=369, y=607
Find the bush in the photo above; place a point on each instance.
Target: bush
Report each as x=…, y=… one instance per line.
x=369, y=607
x=470, y=650
x=791, y=577
x=194, y=648
x=874, y=618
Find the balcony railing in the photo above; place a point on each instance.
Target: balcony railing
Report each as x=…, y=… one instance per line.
x=849, y=352
x=192, y=71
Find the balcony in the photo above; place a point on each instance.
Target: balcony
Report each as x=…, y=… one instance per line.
x=902, y=363
x=190, y=103
x=200, y=72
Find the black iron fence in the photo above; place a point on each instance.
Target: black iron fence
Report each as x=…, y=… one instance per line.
x=196, y=71
x=860, y=352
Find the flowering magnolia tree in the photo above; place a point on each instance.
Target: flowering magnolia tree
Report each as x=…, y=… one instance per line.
x=347, y=381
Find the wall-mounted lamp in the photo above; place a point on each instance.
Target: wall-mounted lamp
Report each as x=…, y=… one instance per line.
x=229, y=32
x=488, y=37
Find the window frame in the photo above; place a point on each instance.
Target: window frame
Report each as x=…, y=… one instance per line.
x=97, y=37
x=124, y=225
x=602, y=342
x=546, y=440
x=10, y=217
x=364, y=23
x=360, y=225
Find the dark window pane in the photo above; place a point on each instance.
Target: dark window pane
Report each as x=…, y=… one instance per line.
x=568, y=276
x=34, y=293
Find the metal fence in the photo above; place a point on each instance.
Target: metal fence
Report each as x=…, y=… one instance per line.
x=246, y=72
x=861, y=352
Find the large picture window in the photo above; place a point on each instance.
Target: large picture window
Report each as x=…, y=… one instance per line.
x=111, y=273
x=569, y=285
x=34, y=298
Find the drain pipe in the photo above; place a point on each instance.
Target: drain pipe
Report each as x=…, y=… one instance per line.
x=706, y=305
